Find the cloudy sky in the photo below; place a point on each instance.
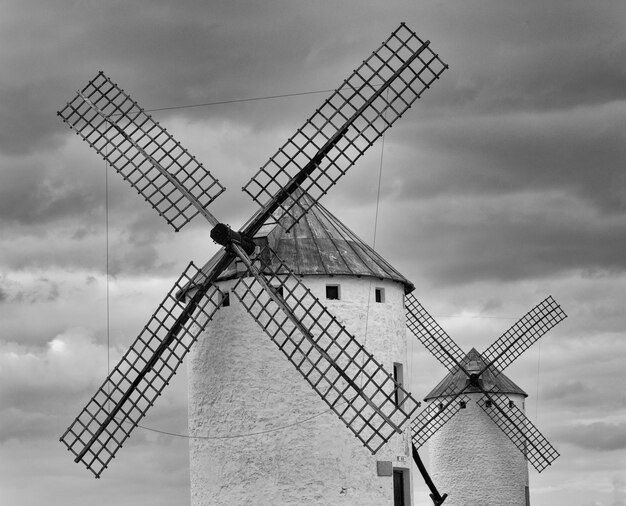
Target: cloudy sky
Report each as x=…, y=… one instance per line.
x=505, y=184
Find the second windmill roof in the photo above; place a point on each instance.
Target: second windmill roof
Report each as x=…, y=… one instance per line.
x=474, y=362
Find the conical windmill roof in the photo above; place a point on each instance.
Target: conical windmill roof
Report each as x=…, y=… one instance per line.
x=474, y=362
x=319, y=244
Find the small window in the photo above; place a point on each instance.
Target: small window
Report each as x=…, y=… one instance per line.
x=487, y=404
x=379, y=293
x=463, y=404
x=511, y=404
x=441, y=406
x=332, y=292
x=226, y=299
x=398, y=376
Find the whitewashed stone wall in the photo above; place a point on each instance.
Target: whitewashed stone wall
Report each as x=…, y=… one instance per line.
x=473, y=461
x=240, y=383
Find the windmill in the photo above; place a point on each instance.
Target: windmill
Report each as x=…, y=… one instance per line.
x=349, y=379
x=478, y=376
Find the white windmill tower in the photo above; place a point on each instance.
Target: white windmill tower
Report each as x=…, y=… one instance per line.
x=337, y=368
x=239, y=384
x=476, y=412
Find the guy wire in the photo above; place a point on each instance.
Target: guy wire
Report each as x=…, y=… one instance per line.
x=106, y=282
x=235, y=436
x=369, y=288
x=538, y=372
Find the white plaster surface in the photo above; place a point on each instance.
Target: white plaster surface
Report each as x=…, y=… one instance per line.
x=240, y=384
x=474, y=462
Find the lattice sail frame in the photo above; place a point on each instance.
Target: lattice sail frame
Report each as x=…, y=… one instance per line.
x=141, y=151
x=431, y=335
x=523, y=334
x=375, y=95
x=331, y=342
x=434, y=416
x=98, y=432
x=519, y=429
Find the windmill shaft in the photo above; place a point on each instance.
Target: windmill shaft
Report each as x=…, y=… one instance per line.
x=193, y=200
x=298, y=324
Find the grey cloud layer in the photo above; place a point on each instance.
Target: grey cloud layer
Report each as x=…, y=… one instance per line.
x=504, y=184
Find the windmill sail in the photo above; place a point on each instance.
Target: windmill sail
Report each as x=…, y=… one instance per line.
x=435, y=416
x=338, y=368
x=369, y=102
x=431, y=335
x=519, y=429
x=170, y=179
x=524, y=333
x=138, y=379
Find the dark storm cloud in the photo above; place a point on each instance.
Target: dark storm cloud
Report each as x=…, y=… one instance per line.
x=584, y=397
x=63, y=250
x=568, y=389
x=28, y=123
x=525, y=236
x=599, y=436
x=512, y=166
x=173, y=56
x=578, y=151
x=137, y=260
x=53, y=214
x=535, y=56
x=33, y=193
x=33, y=292
x=46, y=291
x=513, y=195
x=504, y=179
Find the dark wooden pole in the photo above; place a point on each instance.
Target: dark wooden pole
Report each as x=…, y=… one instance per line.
x=435, y=496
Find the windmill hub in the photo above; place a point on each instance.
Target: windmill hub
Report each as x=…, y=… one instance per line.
x=474, y=380
x=222, y=234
